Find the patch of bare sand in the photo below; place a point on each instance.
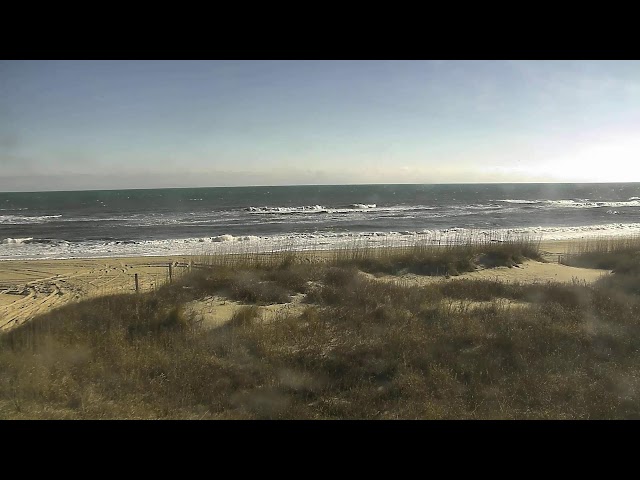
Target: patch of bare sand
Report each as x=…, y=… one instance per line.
x=216, y=311
x=500, y=303
x=530, y=271
x=213, y=311
x=536, y=272
x=31, y=287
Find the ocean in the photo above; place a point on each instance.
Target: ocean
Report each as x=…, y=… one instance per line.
x=261, y=219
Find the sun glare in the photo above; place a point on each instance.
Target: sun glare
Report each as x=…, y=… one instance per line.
x=613, y=160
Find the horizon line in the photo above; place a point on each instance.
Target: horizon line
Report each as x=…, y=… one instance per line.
x=309, y=185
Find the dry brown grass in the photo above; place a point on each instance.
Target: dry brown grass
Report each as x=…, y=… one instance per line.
x=360, y=349
x=458, y=256
x=619, y=254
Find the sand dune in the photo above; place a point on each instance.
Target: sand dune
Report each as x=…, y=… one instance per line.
x=529, y=271
x=29, y=288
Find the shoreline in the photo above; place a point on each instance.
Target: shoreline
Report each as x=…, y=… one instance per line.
x=547, y=248
x=36, y=249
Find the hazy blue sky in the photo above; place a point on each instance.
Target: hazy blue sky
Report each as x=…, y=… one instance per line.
x=140, y=124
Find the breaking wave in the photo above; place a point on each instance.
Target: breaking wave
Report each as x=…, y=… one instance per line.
x=30, y=248
x=16, y=241
x=351, y=208
x=362, y=205
x=577, y=203
x=22, y=219
x=303, y=209
x=231, y=238
x=31, y=240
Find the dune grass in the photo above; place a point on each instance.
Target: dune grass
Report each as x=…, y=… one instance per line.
x=452, y=258
x=619, y=254
x=360, y=348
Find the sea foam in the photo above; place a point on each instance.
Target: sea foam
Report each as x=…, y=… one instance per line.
x=16, y=241
x=576, y=203
x=22, y=219
x=30, y=249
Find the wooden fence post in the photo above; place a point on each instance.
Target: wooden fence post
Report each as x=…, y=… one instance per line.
x=136, y=278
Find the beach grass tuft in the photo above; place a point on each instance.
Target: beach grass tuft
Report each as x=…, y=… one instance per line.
x=621, y=255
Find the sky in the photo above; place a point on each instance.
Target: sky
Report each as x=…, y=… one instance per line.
x=80, y=125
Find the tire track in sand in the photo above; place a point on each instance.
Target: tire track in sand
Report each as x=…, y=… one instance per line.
x=34, y=296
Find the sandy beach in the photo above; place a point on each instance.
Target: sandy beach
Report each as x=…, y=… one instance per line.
x=31, y=287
